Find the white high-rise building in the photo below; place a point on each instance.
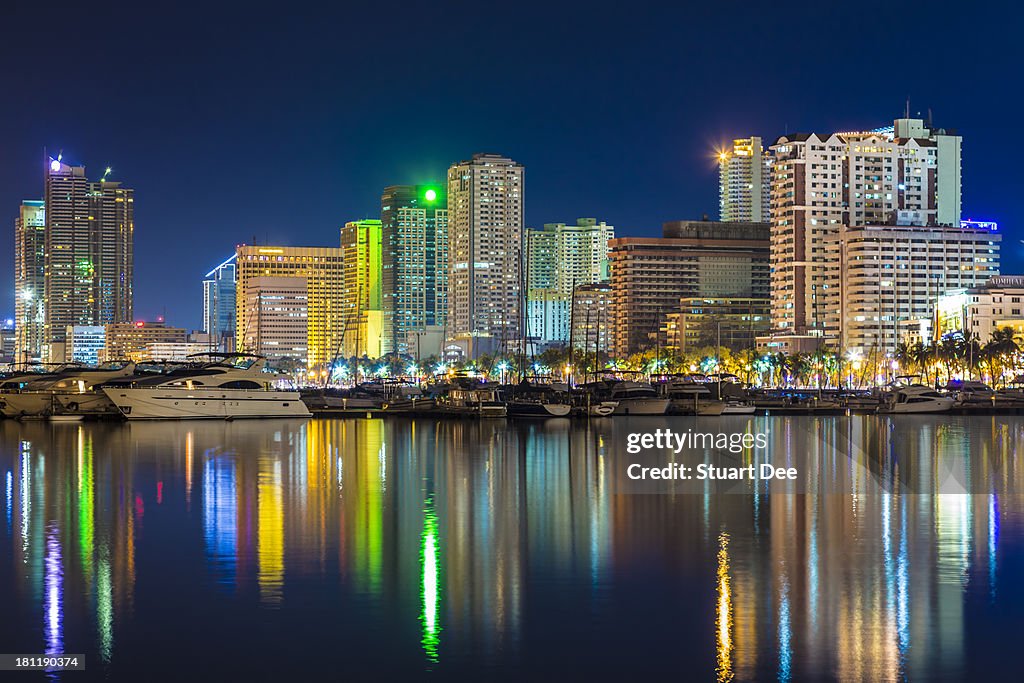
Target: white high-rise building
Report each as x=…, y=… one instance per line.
x=903, y=175
x=485, y=231
x=893, y=275
x=744, y=174
x=29, y=280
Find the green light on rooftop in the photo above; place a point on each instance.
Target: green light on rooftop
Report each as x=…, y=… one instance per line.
x=430, y=195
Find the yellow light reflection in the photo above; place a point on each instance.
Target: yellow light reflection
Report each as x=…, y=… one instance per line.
x=724, y=612
x=270, y=537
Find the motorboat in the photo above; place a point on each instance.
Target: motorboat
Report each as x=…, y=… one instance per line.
x=73, y=390
x=636, y=398
x=216, y=386
x=916, y=399
x=738, y=407
x=528, y=399
x=475, y=402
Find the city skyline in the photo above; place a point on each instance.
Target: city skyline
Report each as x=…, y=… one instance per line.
x=618, y=134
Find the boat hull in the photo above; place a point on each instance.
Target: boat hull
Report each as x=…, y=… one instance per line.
x=223, y=404
x=641, y=406
x=529, y=409
x=26, y=404
x=936, y=406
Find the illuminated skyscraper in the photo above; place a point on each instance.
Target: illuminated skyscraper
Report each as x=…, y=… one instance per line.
x=89, y=260
x=414, y=235
x=485, y=231
x=363, y=322
x=29, y=280
x=744, y=182
x=219, y=304
x=322, y=270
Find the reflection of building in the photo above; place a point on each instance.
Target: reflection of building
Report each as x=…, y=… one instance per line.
x=983, y=310
x=693, y=259
x=90, y=229
x=128, y=341
x=485, y=228
x=84, y=343
x=322, y=271
x=414, y=283
x=278, y=317
x=892, y=275
x=29, y=279
x=219, y=305
x=743, y=182
x=363, y=321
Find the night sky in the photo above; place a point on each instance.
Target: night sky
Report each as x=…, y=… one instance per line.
x=283, y=123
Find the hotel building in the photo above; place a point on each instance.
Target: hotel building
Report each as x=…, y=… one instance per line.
x=280, y=308
x=980, y=311
x=414, y=279
x=705, y=259
x=362, y=295
x=592, y=317
x=485, y=232
x=321, y=269
x=700, y=322
x=892, y=276
x=904, y=175
x=88, y=253
x=744, y=174
x=29, y=280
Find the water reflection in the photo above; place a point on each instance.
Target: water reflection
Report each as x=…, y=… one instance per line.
x=483, y=543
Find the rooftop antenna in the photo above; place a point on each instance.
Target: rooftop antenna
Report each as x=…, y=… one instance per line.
x=929, y=117
x=907, y=114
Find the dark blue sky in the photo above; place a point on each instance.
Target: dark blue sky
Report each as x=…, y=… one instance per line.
x=286, y=122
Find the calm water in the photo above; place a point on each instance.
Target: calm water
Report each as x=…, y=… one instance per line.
x=373, y=549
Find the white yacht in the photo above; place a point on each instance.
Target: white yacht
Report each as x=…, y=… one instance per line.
x=637, y=398
x=220, y=386
x=72, y=390
x=916, y=399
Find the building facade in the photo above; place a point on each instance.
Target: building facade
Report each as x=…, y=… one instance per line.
x=891, y=277
x=322, y=270
x=29, y=281
x=744, y=187
x=219, y=305
x=279, y=308
x=128, y=341
x=979, y=311
x=592, y=317
x=485, y=232
x=89, y=263
x=693, y=259
x=85, y=344
x=700, y=322
x=363, y=295
x=907, y=174
x=414, y=279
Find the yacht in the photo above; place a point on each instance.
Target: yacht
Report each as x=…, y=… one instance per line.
x=636, y=398
x=916, y=399
x=72, y=390
x=217, y=386
x=536, y=400
x=466, y=401
x=738, y=407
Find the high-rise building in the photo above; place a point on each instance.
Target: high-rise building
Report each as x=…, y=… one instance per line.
x=414, y=282
x=904, y=175
x=891, y=277
x=744, y=174
x=89, y=262
x=979, y=311
x=219, y=305
x=364, y=321
x=709, y=259
x=7, y=341
x=278, y=307
x=485, y=231
x=29, y=280
x=558, y=258
x=322, y=270
x=562, y=256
